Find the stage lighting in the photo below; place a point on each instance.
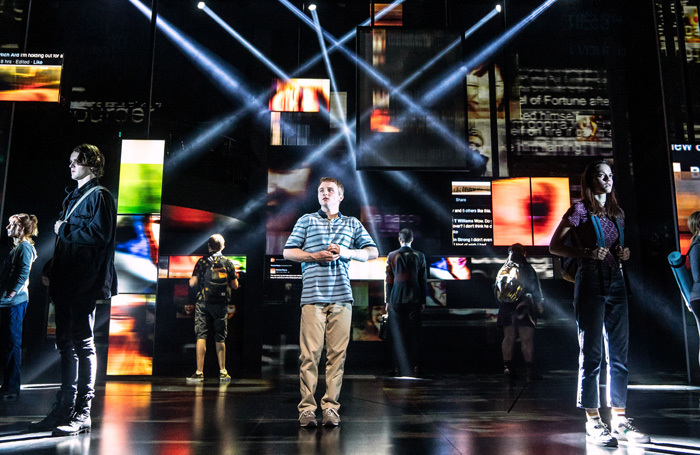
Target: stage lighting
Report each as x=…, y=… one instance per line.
x=201, y=5
x=498, y=8
x=312, y=7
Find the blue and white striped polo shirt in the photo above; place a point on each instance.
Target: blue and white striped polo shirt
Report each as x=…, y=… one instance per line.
x=313, y=232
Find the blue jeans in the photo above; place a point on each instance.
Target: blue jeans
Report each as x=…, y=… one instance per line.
x=11, y=319
x=600, y=305
x=75, y=321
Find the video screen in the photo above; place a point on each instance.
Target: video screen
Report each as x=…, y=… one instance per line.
x=437, y=293
x=388, y=14
x=472, y=221
x=30, y=76
x=298, y=128
x=300, y=95
x=368, y=306
x=283, y=269
x=528, y=210
x=183, y=266
x=374, y=269
x=131, y=335
x=136, y=253
x=450, y=268
x=563, y=112
x=392, y=132
x=141, y=177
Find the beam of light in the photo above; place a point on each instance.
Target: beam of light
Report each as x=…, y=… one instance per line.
x=348, y=36
x=218, y=71
x=259, y=55
x=457, y=73
x=219, y=127
x=438, y=127
x=331, y=76
x=494, y=12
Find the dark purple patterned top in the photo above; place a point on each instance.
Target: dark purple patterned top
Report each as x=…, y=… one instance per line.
x=583, y=227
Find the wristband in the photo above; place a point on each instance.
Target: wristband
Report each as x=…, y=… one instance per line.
x=350, y=254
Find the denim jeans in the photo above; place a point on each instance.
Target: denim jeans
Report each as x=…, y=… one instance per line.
x=600, y=305
x=75, y=340
x=11, y=319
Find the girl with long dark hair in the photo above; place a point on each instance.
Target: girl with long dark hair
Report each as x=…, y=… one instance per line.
x=591, y=232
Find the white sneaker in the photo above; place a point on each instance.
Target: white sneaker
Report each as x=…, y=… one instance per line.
x=597, y=433
x=623, y=429
x=307, y=419
x=330, y=418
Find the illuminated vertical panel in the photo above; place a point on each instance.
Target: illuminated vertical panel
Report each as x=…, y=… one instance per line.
x=511, y=212
x=131, y=332
x=141, y=177
x=550, y=200
x=132, y=318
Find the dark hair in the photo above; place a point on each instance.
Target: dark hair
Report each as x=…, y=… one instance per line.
x=90, y=156
x=216, y=242
x=517, y=249
x=29, y=226
x=341, y=189
x=611, y=208
x=406, y=235
x=694, y=224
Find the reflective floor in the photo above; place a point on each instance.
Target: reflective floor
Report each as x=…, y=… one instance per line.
x=476, y=414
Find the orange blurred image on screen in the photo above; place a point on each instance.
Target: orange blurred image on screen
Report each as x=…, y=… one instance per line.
x=131, y=335
x=300, y=95
x=511, y=211
x=30, y=83
x=550, y=200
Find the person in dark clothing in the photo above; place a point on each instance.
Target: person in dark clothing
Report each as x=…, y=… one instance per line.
x=694, y=260
x=518, y=318
x=14, y=283
x=406, y=277
x=80, y=273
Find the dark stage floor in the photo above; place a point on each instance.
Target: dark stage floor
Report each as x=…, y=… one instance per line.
x=380, y=415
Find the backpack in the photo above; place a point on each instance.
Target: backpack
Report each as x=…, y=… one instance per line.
x=508, y=286
x=215, y=281
x=569, y=265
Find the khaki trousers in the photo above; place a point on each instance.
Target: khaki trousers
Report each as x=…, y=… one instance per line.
x=331, y=321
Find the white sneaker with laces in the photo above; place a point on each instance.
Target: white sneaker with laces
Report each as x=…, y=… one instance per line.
x=330, y=417
x=597, y=433
x=623, y=429
x=307, y=419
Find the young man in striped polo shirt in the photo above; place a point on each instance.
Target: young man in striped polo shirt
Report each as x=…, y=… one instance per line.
x=325, y=242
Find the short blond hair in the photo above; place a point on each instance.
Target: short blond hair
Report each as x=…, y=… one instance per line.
x=341, y=189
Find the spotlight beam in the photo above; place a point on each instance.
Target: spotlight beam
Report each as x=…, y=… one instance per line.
x=331, y=76
x=458, y=72
x=205, y=137
x=441, y=54
x=259, y=55
x=348, y=36
x=378, y=77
